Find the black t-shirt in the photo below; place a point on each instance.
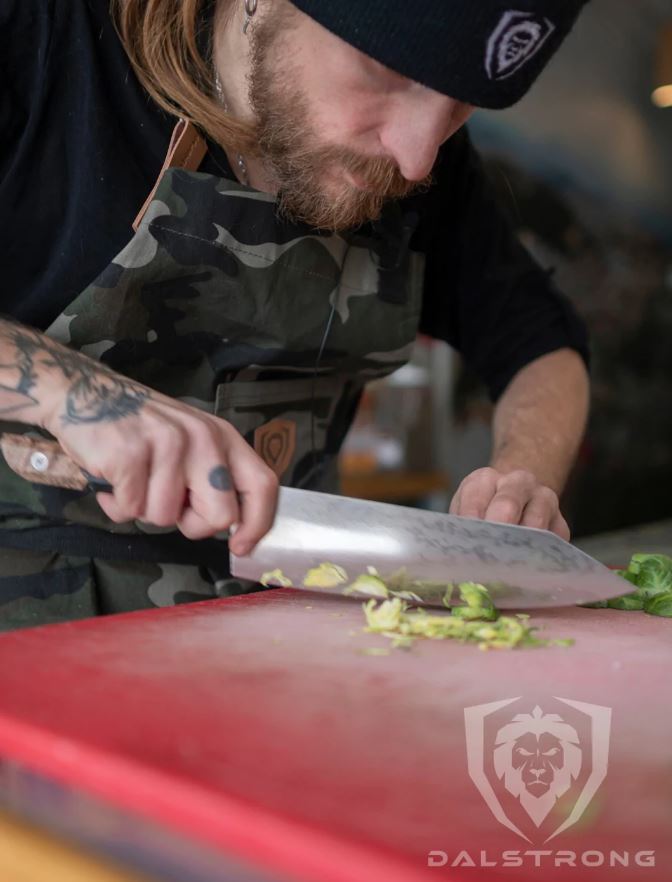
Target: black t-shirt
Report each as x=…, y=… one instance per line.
x=81, y=144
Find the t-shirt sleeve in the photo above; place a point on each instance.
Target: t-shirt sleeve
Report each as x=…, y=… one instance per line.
x=484, y=294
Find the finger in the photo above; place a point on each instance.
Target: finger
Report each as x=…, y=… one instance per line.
x=455, y=502
x=166, y=490
x=193, y=525
x=514, y=491
x=560, y=527
x=129, y=483
x=212, y=496
x=476, y=492
x=257, y=487
x=541, y=510
x=111, y=508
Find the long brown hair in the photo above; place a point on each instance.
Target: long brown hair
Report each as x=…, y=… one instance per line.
x=161, y=38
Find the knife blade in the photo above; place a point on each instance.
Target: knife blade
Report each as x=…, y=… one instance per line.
x=524, y=568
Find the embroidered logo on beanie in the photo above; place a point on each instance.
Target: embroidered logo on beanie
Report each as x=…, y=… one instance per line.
x=516, y=39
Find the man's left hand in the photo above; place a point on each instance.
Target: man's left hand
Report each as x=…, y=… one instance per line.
x=510, y=498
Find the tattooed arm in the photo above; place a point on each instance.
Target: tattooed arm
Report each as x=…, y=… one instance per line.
x=159, y=454
x=38, y=375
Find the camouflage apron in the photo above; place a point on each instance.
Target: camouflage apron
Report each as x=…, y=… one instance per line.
x=218, y=302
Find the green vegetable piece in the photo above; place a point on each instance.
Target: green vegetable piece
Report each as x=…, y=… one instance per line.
x=474, y=612
x=375, y=650
x=392, y=619
x=660, y=605
x=368, y=584
x=384, y=616
x=447, y=598
x=598, y=604
x=627, y=601
x=275, y=578
x=407, y=595
x=478, y=602
x=651, y=573
x=326, y=575
x=475, y=595
x=626, y=574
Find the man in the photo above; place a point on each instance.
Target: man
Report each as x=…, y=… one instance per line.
x=336, y=207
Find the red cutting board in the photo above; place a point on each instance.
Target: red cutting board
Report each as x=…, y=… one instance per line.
x=257, y=727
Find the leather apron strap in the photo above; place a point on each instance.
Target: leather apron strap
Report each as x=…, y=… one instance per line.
x=186, y=150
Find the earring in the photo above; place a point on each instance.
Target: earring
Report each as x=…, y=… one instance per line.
x=250, y=9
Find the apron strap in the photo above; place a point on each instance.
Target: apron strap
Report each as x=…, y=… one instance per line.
x=186, y=150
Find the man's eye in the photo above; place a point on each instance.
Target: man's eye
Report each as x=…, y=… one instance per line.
x=551, y=752
x=523, y=752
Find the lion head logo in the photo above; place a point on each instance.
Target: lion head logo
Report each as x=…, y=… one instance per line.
x=538, y=757
x=516, y=39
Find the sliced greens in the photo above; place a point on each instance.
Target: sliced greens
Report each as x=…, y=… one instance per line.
x=275, y=578
x=326, y=575
x=651, y=574
x=392, y=619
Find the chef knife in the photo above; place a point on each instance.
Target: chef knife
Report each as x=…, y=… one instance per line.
x=423, y=551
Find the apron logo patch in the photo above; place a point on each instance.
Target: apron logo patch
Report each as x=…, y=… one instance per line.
x=516, y=39
x=275, y=442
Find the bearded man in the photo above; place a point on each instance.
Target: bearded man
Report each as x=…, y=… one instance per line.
x=314, y=201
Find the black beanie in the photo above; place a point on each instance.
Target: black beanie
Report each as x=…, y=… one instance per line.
x=483, y=52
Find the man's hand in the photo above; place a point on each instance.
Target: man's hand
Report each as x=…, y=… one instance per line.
x=513, y=498
x=538, y=424
x=169, y=464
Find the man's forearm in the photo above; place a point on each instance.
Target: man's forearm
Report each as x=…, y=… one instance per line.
x=43, y=382
x=540, y=419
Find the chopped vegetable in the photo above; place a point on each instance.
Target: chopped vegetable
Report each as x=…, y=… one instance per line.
x=651, y=574
x=660, y=605
x=275, y=578
x=326, y=575
x=479, y=605
x=392, y=619
x=375, y=650
x=627, y=601
x=407, y=595
x=368, y=584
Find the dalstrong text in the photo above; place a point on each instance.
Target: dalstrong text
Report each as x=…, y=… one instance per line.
x=543, y=858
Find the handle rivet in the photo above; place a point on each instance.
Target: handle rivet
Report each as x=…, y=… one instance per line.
x=39, y=461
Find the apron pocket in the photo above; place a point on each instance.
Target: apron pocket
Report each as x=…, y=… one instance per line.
x=296, y=425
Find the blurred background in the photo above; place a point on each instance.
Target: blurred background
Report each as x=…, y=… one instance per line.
x=583, y=167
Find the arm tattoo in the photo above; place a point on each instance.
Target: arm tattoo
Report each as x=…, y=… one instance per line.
x=220, y=478
x=95, y=394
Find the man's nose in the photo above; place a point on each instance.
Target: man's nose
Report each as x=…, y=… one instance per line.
x=417, y=128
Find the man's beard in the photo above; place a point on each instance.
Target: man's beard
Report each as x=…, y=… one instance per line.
x=299, y=165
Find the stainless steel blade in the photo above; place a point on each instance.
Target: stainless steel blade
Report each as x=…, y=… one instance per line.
x=523, y=567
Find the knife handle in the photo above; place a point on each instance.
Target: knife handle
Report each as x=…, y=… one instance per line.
x=45, y=462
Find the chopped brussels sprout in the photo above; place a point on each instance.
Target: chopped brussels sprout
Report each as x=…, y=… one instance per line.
x=373, y=586
x=660, y=605
x=326, y=575
x=651, y=575
x=474, y=612
x=627, y=601
x=392, y=619
x=407, y=595
x=275, y=578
